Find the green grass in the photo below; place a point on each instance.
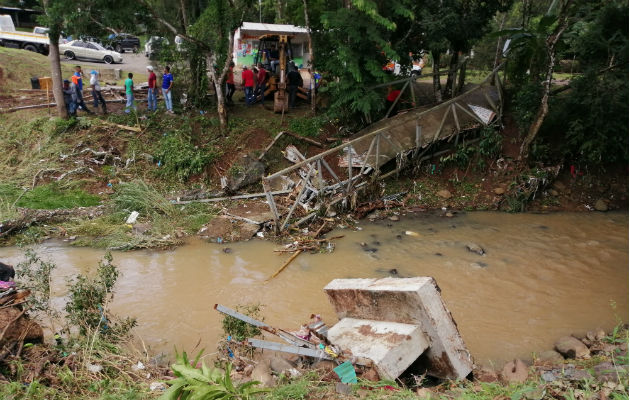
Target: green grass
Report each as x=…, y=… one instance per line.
x=19, y=66
x=48, y=197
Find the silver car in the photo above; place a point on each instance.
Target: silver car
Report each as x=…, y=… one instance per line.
x=78, y=49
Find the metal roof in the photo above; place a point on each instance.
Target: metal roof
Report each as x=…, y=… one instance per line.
x=272, y=28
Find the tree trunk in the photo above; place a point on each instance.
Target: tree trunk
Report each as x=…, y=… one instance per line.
x=543, y=109
x=462, y=79
x=278, y=12
x=311, y=69
x=437, y=85
x=499, y=51
x=452, y=75
x=57, y=78
x=218, y=82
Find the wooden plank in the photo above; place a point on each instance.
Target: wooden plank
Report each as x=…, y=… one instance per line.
x=439, y=130
x=294, y=205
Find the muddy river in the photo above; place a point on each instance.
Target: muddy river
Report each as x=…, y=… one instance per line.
x=543, y=276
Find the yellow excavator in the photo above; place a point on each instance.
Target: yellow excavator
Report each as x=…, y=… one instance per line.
x=277, y=83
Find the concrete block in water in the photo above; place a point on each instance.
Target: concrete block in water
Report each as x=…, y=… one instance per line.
x=414, y=301
x=392, y=346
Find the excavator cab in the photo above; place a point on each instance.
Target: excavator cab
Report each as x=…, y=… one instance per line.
x=274, y=52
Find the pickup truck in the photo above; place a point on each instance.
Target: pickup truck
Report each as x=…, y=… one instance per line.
x=9, y=37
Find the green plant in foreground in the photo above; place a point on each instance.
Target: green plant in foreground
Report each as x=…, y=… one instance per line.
x=241, y=330
x=138, y=196
x=206, y=383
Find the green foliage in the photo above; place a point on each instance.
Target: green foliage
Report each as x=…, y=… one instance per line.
x=525, y=104
x=205, y=383
x=138, y=196
x=307, y=126
x=88, y=299
x=241, y=330
x=180, y=158
x=49, y=196
x=460, y=157
x=35, y=274
x=490, y=144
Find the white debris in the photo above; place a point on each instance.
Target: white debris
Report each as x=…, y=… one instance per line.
x=133, y=217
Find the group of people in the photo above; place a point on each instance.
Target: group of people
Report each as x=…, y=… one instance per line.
x=255, y=80
x=73, y=91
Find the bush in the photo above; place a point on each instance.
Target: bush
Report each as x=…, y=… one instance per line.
x=308, y=127
x=138, y=196
x=180, y=158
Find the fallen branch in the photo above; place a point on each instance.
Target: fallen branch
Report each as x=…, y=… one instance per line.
x=286, y=264
x=125, y=127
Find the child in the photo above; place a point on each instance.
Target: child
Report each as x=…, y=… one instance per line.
x=129, y=91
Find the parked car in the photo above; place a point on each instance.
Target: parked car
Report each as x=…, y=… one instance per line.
x=122, y=42
x=89, y=51
x=153, y=46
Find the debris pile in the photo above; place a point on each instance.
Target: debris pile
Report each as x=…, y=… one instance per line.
x=385, y=326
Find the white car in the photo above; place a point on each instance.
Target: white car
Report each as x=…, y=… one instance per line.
x=78, y=49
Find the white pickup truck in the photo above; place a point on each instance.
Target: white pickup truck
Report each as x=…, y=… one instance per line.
x=9, y=37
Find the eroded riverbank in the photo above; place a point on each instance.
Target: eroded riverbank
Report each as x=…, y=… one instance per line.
x=543, y=276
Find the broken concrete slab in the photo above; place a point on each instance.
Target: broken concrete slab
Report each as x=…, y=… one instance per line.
x=414, y=301
x=392, y=346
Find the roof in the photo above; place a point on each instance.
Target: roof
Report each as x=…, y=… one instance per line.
x=272, y=28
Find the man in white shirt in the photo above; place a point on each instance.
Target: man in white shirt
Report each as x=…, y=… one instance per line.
x=96, y=91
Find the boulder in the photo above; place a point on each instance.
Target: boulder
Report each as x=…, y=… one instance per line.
x=475, y=248
x=600, y=205
x=486, y=374
x=514, y=371
x=245, y=172
x=262, y=374
x=550, y=356
x=499, y=191
x=600, y=334
x=279, y=365
x=445, y=194
x=571, y=347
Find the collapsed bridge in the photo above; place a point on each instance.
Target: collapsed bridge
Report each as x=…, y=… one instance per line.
x=336, y=175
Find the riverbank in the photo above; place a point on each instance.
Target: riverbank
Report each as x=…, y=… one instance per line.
x=123, y=163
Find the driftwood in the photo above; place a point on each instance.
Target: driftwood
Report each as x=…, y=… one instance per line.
x=30, y=217
x=279, y=135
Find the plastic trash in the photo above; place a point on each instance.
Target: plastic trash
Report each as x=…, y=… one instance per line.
x=133, y=217
x=412, y=233
x=346, y=372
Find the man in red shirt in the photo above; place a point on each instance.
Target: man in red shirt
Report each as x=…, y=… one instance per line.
x=391, y=98
x=247, y=80
x=230, y=84
x=261, y=83
x=152, y=95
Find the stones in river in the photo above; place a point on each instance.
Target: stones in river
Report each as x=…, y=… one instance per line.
x=475, y=248
x=600, y=205
x=571, y=347
x=514, y=371
x=227, y=250
x=550, y=356
x=478, y=265
x=394, y=218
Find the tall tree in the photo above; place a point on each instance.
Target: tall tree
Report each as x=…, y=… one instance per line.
x=53, y=19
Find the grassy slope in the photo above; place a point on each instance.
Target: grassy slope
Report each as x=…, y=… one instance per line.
x=19, y=66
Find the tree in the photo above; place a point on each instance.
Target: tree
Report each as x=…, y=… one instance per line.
x=53, y=19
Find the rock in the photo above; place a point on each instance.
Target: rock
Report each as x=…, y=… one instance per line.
x=600, y=334
x=590, y=335
x=445, y=194
x=449, y=215
x=424, y=393
x=600, y=205
x=279, y=365
x=607, y=372
x=478, y=265
x=499, y=191
x=262, y=374
x=553, y=192
x=343, y=388
x=157, y=386
x=394, y=218
x=371, y=375
x=485, y=374
x=246, y=171
x=475, y=248
x=514, y=371
x=550, y=356
x=571, y=347
x=324, y=365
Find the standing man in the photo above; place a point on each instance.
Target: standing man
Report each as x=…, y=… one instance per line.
x=152, y=96
x=294, y=81
x=69, y=97
x=247, y=79
x=230, y=84
x=96, y=91
x=77, y=80
x=167, y=86
x=129, y=91
x=274, y=56
x=261, y=85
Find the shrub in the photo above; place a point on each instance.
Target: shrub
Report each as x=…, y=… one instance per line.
x=180, y=158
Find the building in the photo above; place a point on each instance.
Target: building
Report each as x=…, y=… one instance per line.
x=246, y=42
x=22, y=17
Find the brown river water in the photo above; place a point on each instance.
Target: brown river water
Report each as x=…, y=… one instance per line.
x=542, y=277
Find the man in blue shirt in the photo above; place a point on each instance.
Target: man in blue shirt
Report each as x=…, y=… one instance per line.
x=167, y=85
x=77, y=80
